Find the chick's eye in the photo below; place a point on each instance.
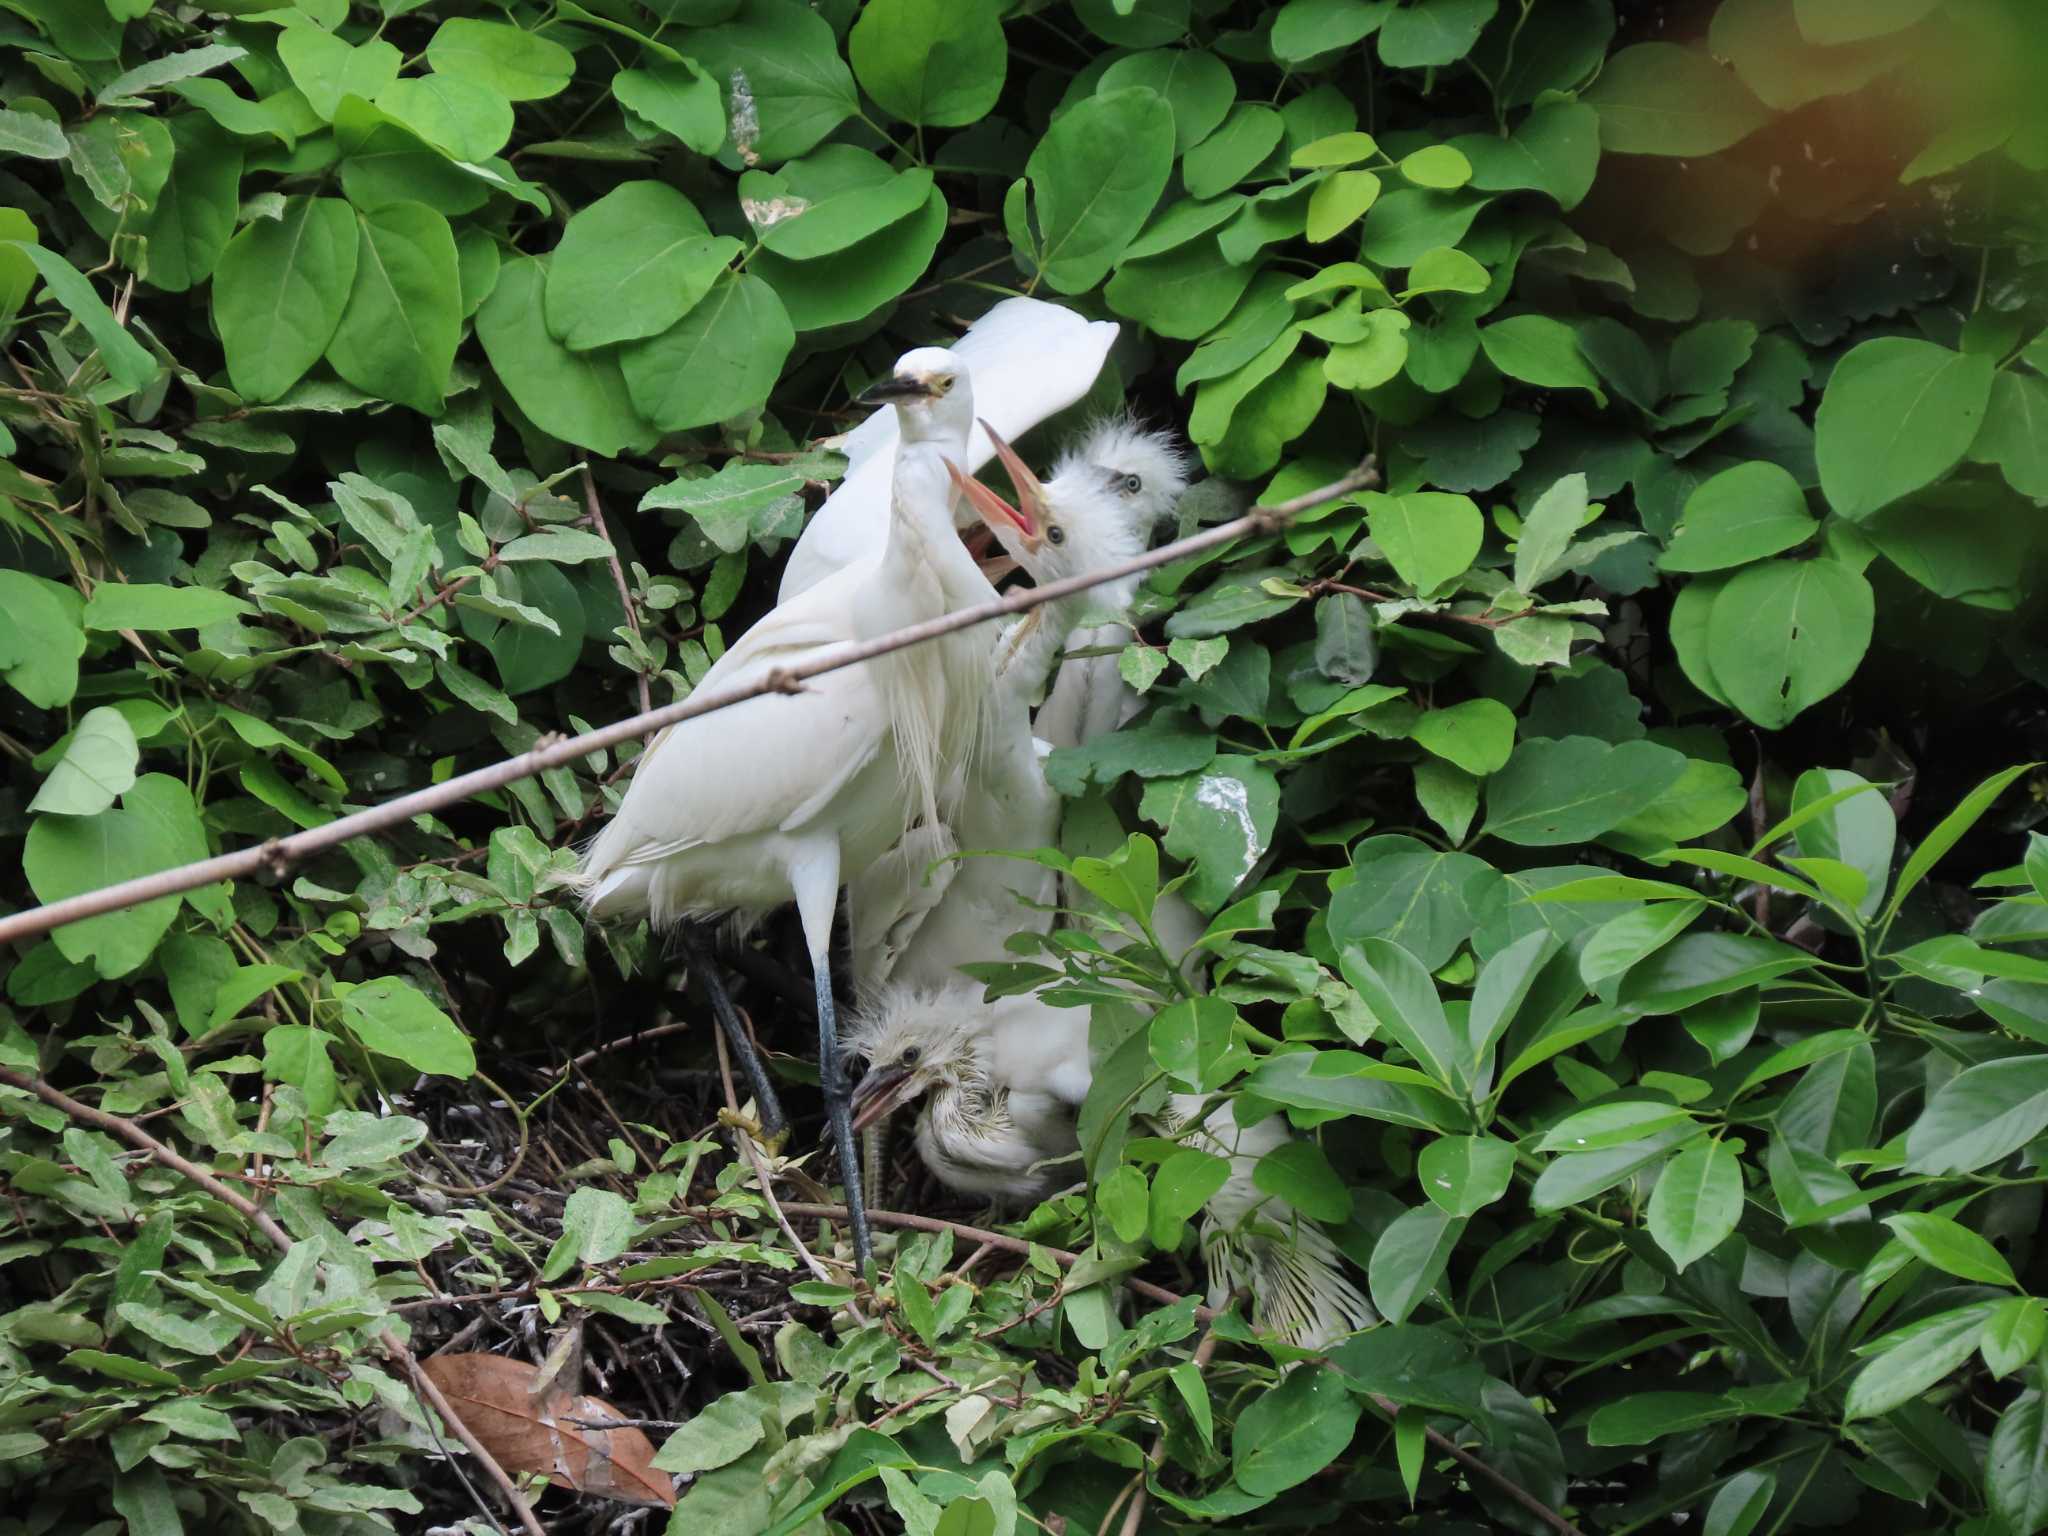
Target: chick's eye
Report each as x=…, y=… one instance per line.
x=910, y=1055
x=1056, y=534
x=1133, y=485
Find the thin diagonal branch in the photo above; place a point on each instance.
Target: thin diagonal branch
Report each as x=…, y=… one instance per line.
x=277, y=857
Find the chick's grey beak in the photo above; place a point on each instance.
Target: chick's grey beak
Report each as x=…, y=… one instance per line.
x=897, y=387
x=876, y=1094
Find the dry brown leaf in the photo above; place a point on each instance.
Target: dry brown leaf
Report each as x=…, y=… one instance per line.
x=530, y=1433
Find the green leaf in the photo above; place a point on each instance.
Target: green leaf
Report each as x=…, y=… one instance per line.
x=1194, y=84
x=734, y=505
x=1094, y=179
x=1189, y=1040
x=1784, y=634
x=517, y=64
x=1221, y=820
x=631, y=264
x=1429, y=537
x=1697, y=1202
x=1226, y=157
x=1832, y=23
x=1607, y=1126
x=833, y=198
x=1429, y=33
x=97, y=766
x=1979, y=1117
x=1304, y=28
x=23, y=133
x=720, y=1433
x=1571, y=790
x=938, y=63
x=786, y=86
x=1548, y=530
x=678, y=97
x=117, y=605
x=1646, y=1417
x=1182, y=1186
x=1446, y=270
x=1410, y=1258
x=1857, y=827
x=1339, y=201
x=279, y=291
x=1555, y=150
x=597, y=1226
x=1951, y=1247
x=1403, y=1000
x=1741, y=1504
x=1539, y=350
x=1297, y=1172
x=1661, y=99
x=156, y=828
x=1947, y=833
x=1898, y=414
x=142, y=1497
x=1618, y=944
x=1288, y=1434
x=716, y=363
x=1335, y=150
x=578, y=397
x=1700, y=966
x=852, y=284
x=325, y=68
x=1910, y=1361
x=1439, y=166
x=2015, y=433
x=1464, y=1174
x=1742, y=514
x=122, y=355
x=394, y=1018
x=397, y=335
x=2014, y=1334
x=195, y=213
x=2016, y=1465
x=463, y=118
x=1125, y=1199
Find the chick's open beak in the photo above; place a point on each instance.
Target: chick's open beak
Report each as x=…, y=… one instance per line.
x=1030, y=489
x=877, y=1093
x=899, y=386
x=991, y=507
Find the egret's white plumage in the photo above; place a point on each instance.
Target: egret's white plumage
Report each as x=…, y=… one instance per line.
x=919, y=925
x=1030, y=360
x=1002, y=1084
x=738, y=812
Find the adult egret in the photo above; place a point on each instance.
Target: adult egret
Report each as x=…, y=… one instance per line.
x=1029, y=359
x=1097, y=510
x=1002, y=1084
x=735, y=814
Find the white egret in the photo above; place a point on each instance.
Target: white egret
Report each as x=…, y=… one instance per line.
x=1002, y=1084
x=737, y=813
x=1096, y=511
x=1030, y=359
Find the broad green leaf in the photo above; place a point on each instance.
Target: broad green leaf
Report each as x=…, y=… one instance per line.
x=194, y=215
x=1288, y=1434
x=786, y=86
x=1548, y=530
x=1951, y=1247
x=1298, y=1173
x=1195, y=85
x=23, y=133
x=581, y=398
x=1124, y=1199
x=1539, y=350
x=1741, y=1503
x=1607, y=1126
x=1477, y=735
x=1898, y=414
x=1742, y=514
x=394, y=1018
x=1905, y=1364
x=1643, y=1418
x=1948, y=832
x=2016, y=1465
x=1700, y=966
x=117, y=605
x=631, y=264
x=279, y=291
x=1465, y=1174
x=1337, y=149
x=2014, y=1334
x=1832, y=23
x=1446, y=270
x=678, y=97
x=1220, y=819
x=1094, y=178
x=597, y=1225
x=1404, y=1000
x=1428, y=33
x=1182, y=1186
x=1980, y=1116
x=142, y=1496
x=155, y=828
x=97, y=767
x=1429, y=537
x=1226, y=157
x=1437, y=165
x=833, y=198
x=1408, y=892
x=462, y=117
x=1190, y=1039
x=734, y=505
x=1555, y=150
x=1857, y=828
x=1697, y=1201
x=1410, y=1258
x=325, y=68
x=1304, y=28
x=515, y=63
x=1339, y=201
x=2015, y=433
x=719, y=361
x=852, y=284
x=122, y=355
x=1662, y=99
x=938, y=63
x=1784, y=634
x=403, y=320
x=1555, y=792
x=1619, y=943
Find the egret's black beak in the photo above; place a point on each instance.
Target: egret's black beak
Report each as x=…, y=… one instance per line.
x=877, y=1093
x=897, y=387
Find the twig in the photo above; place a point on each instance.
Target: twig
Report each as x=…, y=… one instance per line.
x=618, y=573
x=257, y=1217
x=1205, y=1351
x=767, y=1184
x=658, y=1031
x=277, y=856
x=1164, y=1297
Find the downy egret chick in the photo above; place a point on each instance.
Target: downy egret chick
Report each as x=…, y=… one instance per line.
x=733, y=814
x=1097, y=511
x=1002, y=1086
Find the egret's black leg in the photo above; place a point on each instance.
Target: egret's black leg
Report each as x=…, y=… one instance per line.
x=773, y=1122
x=839, y=1116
